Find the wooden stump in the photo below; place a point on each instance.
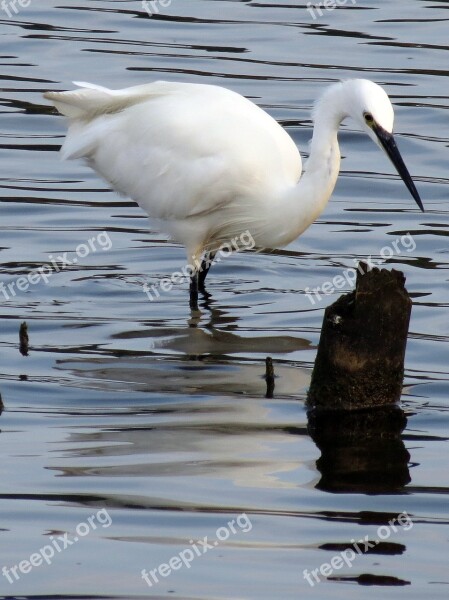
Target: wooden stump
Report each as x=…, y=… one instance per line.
x=24, y=339
x=360, y=359
x=269, y=377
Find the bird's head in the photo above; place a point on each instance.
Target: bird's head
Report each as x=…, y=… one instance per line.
x=371, y=107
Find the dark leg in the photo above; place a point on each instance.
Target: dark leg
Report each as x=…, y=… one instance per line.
x=194, y=291
x=205, y=266
x=197, y=280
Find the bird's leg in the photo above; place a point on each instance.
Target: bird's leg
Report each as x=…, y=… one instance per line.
x=198, y=278
x=194, y=291
x=205, y=266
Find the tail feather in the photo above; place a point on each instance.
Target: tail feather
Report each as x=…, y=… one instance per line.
x=90, y=100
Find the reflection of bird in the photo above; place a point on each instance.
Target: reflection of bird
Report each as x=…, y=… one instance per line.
x=209, y=165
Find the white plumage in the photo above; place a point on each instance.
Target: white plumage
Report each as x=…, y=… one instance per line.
x=207, y=164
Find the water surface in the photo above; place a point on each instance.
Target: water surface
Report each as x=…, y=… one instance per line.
x=132, y=407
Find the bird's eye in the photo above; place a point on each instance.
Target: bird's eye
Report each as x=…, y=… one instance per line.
x=369, y=118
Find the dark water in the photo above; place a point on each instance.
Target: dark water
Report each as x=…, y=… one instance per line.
x=158, y=431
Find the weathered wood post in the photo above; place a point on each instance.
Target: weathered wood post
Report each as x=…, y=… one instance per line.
x=24, y=340
x=269, y=377
x=356, y=382
x=360, y=359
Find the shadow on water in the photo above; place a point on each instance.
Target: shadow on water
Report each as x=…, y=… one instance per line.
x=216, y=337
x=193, y=359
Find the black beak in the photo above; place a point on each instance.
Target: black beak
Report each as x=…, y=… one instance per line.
x=388, y=143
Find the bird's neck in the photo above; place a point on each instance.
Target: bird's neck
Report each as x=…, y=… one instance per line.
x=309, y=197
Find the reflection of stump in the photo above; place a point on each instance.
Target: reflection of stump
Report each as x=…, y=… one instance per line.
x=360, y=359
x=361, y=451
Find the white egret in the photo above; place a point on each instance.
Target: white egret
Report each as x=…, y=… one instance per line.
x=208, y=164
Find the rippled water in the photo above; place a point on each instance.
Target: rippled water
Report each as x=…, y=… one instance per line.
x=130, y=407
